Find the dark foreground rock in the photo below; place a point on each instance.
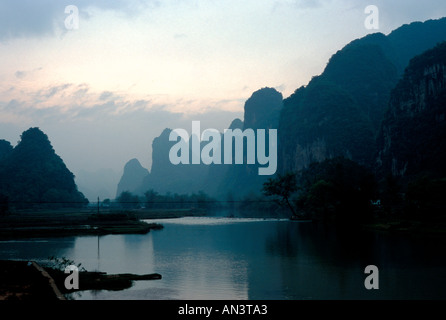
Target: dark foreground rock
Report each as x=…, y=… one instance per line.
x=29, y=281
x=93, y=280
x=22, y=281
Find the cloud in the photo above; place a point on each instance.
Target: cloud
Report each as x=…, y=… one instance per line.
x=52, y=91
x=68, y=103
x=111, y=132
x=81, y=92
x=26, y=18
x=106, y=95
x=31, y=18
x=20, y=74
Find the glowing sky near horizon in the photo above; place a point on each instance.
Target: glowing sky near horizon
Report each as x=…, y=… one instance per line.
x=184, y=55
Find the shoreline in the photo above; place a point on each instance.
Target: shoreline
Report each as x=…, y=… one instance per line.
x=61, y=224
x=408, y=227
x=22, y=280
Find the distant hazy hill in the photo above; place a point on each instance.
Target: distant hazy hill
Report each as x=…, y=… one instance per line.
x=32, y=174
x=262, y=110
x=132, y=177
x=412, y=141
x=100, y=183
x=339, y=113
x=166, y=177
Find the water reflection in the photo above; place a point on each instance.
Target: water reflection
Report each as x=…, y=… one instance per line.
x=322, y=262
x=206, y=258
x=36, y=249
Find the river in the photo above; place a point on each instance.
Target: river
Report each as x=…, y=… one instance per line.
x=255, y=259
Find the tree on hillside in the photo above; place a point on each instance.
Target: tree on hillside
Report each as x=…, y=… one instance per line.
x=5, y=148
x=282, y=187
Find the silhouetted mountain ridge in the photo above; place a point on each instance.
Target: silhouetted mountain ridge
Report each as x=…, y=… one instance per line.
x=262, y=111
x=33, y=175
x=339, y=113
x=132, y=178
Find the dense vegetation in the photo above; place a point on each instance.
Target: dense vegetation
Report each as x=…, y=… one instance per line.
x=340, y=112
x=154, y=200
x=32, y=175
x=407, y=181
x=336, y=189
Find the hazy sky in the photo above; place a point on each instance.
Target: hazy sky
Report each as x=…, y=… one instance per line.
x=104, y=91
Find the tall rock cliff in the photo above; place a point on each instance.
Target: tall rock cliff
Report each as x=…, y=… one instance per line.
x=166, y=177
x=262, y=111
x=412, y=140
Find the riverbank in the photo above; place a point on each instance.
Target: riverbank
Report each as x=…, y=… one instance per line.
x=414, y=228
x=62, y=223
x=29, y=281
x=154, y=214
x=22, y=281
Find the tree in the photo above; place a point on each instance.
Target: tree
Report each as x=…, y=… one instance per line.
x=151, y=197
x=283, y=187
x=5, y=148
x=320, y=199
x=337, y=189
x=106, y=203
x=128, y=200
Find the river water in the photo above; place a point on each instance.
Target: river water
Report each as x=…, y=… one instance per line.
x=223, y=258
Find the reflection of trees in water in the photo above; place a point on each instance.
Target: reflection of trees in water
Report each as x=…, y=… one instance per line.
x=319, y=261
x=284, y=241
x=328, y=261
x=37, y=249
x=322, y=241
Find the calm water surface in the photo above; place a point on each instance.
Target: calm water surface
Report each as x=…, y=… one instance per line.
x=220, y=258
